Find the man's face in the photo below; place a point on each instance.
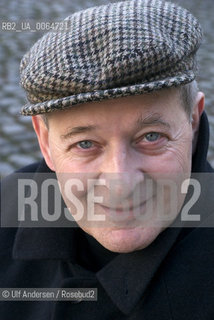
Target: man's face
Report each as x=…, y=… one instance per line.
x=121, y=144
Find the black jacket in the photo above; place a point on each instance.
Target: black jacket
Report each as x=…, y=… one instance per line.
x=172, y=279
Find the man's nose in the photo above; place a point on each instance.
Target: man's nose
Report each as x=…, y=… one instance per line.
x=122, y=169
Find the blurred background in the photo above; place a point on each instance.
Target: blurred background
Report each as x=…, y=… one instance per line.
x=18, y=144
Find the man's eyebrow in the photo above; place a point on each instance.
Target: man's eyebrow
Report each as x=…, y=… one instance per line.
x=154, y=119
x=77, y=130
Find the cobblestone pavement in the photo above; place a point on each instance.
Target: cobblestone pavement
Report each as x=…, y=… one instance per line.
x=18, y=145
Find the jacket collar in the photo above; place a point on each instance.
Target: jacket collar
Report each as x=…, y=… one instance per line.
x=127, y=277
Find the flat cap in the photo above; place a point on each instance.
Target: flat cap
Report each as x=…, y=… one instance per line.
x=114, y=50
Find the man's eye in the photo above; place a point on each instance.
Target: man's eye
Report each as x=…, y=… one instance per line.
x=86, y=144
x=152, y=136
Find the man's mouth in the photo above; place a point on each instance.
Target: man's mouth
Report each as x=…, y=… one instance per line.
x=127, y=205
x=126, y=212
x=121, y=209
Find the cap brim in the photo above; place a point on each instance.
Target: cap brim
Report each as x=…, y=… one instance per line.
x=99, y=95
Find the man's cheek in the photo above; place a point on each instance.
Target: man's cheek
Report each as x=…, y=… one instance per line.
x=74, y=193
x=164, y=165
x=179, y=159
x=176, y=159
x=62, y=162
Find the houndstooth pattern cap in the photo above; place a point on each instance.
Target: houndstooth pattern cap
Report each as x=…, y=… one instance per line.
x=114, y=50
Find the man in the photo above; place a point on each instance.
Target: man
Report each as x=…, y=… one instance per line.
x=120, y=124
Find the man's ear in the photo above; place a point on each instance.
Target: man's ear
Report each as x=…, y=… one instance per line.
x=196, y=115
x=197, y=111
x=42, y=133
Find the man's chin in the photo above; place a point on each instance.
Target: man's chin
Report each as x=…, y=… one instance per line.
x=125, y=240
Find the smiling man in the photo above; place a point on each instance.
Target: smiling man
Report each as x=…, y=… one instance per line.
x=130, y=138
x=122, y=129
